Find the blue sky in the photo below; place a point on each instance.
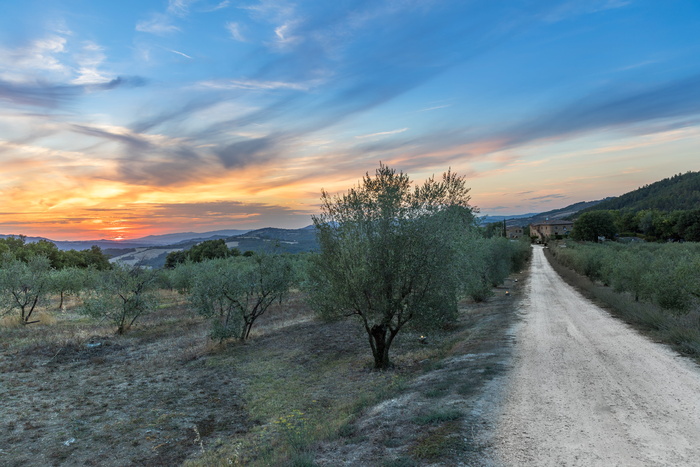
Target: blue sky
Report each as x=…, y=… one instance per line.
x=121, y=119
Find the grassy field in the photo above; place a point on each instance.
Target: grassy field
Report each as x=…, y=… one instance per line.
x=299, y=392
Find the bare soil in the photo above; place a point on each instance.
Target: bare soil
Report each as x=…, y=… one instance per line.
x=73, y=393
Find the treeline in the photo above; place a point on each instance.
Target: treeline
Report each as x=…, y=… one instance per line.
x=654, y=225
x=650, y=225
x=208, y=249
x=678, y=193
x=18, y=248
x=667, y=275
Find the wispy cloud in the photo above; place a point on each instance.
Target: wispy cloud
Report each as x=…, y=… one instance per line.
x=182, y=54
x=52, y=95
x=382, y=133
x=253, y=85
x=613, y=108
x=547, y=197
x=572, y=8
x=180, y=7
x=234, y=29
x=437, y=107
x=158, y=24
x=218, y=6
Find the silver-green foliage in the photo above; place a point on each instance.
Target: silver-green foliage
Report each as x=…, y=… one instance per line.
x=488, y=264
x=234, y=292
x=665, y=274
x=392, y=254
x=23, y=285
x=69, y=281
x=122, y=295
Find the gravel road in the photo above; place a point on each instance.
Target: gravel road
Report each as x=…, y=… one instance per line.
x=587, y=390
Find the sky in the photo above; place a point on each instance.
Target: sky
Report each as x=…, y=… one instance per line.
x=120, y=119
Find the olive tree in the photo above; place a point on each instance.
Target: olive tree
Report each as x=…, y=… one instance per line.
x=24, y=285
x=68, y=281
x=234, y=292
x=392, y=254
x=122, y=295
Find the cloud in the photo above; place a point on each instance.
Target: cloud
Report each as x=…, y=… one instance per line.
x=572, y=8
x=51, y=95
x=180, y=7
x=158, y=24
x=612, y=108
x=135, y=142
x=382, y=133
x=437, y=107
x=179, y=53
x=545, y=197
x=38, y=94
x=253, y=85
x=218, y=6
x=235, y=30
x=243, y=153
x=221, y=210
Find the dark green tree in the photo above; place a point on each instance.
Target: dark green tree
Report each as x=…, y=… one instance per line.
x=590, y=226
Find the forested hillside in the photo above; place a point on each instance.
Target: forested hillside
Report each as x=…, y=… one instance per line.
x=678, y=193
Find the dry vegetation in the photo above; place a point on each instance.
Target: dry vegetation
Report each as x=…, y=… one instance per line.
x=299, y=392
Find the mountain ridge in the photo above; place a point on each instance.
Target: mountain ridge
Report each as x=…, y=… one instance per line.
x=677, y=193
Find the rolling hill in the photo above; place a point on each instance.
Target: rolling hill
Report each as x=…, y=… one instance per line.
x=527, y=219
x=678, y=193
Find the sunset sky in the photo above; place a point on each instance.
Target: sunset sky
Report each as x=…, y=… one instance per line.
x=120, y=119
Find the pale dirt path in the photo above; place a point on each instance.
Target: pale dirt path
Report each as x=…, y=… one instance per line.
x=587, y=390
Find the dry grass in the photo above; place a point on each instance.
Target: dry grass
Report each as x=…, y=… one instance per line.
x=297, y=393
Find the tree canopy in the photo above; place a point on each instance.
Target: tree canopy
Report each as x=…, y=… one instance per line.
x=390, y=253
x=592, y=225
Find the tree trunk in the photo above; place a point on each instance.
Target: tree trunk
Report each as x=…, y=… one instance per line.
x=381, y=347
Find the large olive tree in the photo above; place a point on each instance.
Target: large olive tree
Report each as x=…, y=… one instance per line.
x=392, y=254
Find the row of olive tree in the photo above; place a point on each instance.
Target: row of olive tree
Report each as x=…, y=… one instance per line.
x=666, y=274
x=26, y=285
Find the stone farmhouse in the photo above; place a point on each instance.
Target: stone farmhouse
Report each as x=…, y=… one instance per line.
x=514, y=232
x=548, y=229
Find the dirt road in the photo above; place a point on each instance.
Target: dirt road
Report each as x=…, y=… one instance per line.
x=587, y=390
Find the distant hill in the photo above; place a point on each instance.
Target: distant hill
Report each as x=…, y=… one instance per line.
x=143, y=242
x=169, y=239
x=285, y=240
x=267, y=239
x=680, y=192
x=527, y=219
x=492, y=219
